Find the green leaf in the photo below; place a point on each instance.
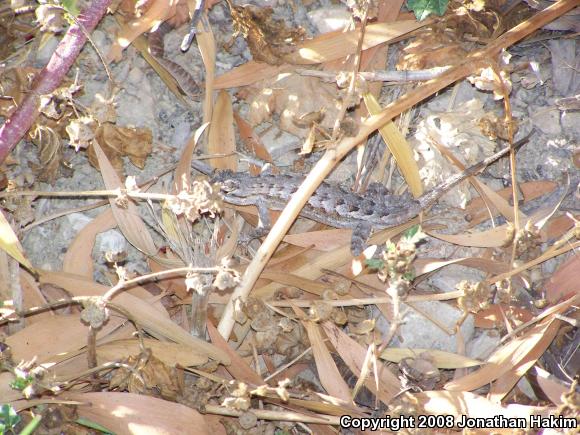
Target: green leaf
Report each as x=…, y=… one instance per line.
x=9, y=243
x=71, y=7
x=424, y=8
x=414, y=234
x=21, y=383
x=375, y=263
x=31, y=426
x=411, y=232
x=8, y=418
x=92, y=425
x=409, y=276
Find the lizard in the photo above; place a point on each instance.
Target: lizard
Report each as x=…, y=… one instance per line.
x=332, y=204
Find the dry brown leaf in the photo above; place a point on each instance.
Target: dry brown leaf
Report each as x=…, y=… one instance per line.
x=170, y=285
x=494, y=238
x=128, y=220
x=398, y=146
x=10, y=244
x=78, y=257
x=505, y=383
x=33, y=298
x=353, y=354
x=207, y=49
x=148, y=317
x=323, y=48
x=159, y=11
x=252, y=142
x=290, y=96
x=316, y=262
x=464, y=403
x=222, y=138
x=68, y=365
x=492, y=317
x=551, y=386
x=428, y=265
x=441, y=359
x=310, y=286
x=54, y=336
x=324, y=240
x=130, y=414
x=172, y=354
x=117, y=142
x=334, y=45
x=328, y=373
x=510, y=355
x=478, y=212
x=564, y=281
x=238, y=368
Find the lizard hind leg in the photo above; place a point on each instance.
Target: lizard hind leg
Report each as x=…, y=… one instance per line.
x=264, y=223
x=360, y=235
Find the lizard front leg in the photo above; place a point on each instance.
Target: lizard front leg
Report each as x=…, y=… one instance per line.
x=360, y=235
x=264, y=222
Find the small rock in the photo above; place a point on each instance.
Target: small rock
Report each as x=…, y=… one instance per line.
x=418, y=332
x=135, y=75
x=330, y=18
x=109, y=242
x=546, y=120
x=571, y=123
x=446, y=279
x=482, y=346
x=46, y=50
x=77, y=221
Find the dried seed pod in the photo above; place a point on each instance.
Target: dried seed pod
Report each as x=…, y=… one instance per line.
x=254, y=307
x=263, y=322
x=339, y=317
x=342, y=286
x=329, y=295
x=363, y=327
x=319, y=311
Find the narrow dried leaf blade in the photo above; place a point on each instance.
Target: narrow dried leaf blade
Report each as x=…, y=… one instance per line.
x=239, y=368
x=207, y=49
x=335, y=45
x=78, y=256
x=442, y=359
x=159, y=11
x=399, y=146
x=128, y=413
x=494, y=238
x=128, y=220
x=10, y=243
x=172, y=354
x=221, y=133
x=353, y=354
x=328, y=373
x=324, y=240
x=146, y=315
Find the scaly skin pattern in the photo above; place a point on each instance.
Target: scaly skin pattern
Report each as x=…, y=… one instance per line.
x=334, y=205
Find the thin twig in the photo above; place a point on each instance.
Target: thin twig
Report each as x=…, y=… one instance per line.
x=380, y=76
x=346, y=102
x=264, y=414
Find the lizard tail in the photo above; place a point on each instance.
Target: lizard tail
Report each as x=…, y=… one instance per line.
x=202, y=167
x=429, y=198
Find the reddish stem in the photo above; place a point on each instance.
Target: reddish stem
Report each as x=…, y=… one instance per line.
x=51, y=76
